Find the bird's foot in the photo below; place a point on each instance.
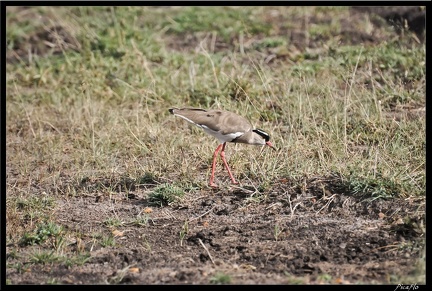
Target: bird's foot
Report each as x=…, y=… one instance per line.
x=213, y=185
x=235, y=182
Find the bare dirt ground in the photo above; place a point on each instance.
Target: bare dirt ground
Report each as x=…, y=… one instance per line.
x=307, y=231
x=315, y=231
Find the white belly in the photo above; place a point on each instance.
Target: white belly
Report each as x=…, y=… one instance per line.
x=222, y=137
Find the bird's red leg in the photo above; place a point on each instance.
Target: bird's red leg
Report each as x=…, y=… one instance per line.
x=212, y=184
x=222, y=154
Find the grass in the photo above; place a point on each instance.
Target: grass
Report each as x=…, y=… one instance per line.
x=220, y=278
x=183, y=232
x=44, y=257
x=165, y=194
x=89, y=112
x=43, y=232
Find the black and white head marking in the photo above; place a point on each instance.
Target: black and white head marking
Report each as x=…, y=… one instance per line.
x=262, y=133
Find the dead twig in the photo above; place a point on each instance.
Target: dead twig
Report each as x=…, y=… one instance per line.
x=330, y=199
x=208, y=253
x=202, y=214
x=290, y=205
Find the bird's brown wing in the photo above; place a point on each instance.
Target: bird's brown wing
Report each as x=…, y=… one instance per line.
x=217, y=120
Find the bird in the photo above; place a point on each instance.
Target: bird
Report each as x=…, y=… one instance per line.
x=226, y=126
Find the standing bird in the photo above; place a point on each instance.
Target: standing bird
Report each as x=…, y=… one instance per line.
x=226, y=127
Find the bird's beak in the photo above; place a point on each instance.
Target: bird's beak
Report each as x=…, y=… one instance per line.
x=270, y=145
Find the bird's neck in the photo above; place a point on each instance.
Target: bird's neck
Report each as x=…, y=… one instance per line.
x=250, y=137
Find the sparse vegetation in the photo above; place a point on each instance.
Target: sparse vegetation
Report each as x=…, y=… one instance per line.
x=107, y=241
x=165, y=194
x=43, y=232
x=90, y=145
x=78, y=260
x=113, y=222
x=141, y=220
x=277, y=231
x=220, y=278
x=372, y=188
x=44, y=257
x=183, y=232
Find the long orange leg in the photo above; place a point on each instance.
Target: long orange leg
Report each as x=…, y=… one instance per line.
x=222, y=154
x=212, y=184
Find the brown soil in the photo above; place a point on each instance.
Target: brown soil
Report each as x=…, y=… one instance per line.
x=311, y=231
x=316, y=231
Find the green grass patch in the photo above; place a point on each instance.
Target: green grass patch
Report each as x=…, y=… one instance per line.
x=226, y=21
x=77, y=260
x=220, y=278
x=374, y=188
x=43, y=232
x=44, y=257
x=165, y=194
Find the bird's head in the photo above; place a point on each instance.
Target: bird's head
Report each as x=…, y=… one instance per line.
x=263, y=138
